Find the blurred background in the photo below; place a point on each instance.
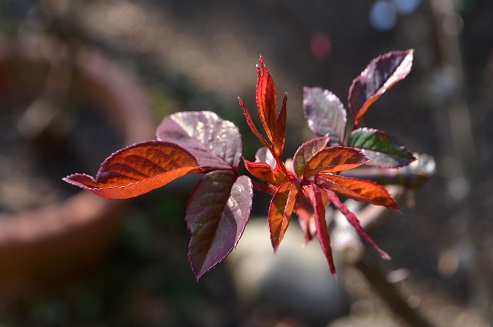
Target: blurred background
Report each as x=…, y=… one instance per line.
x=81, y=79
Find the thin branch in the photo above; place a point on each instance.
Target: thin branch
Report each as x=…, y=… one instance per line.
x=413, y=175
x=390, y=294
x=349, y=245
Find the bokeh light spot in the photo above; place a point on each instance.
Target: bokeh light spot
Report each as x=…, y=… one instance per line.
x=383, y=15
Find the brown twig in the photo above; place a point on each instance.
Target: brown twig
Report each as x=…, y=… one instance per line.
x=349, y=245
x=389, y=294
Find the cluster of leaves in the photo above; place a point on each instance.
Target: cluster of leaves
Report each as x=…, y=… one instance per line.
x=220, y=205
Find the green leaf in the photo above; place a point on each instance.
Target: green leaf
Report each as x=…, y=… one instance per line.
x=380, y=148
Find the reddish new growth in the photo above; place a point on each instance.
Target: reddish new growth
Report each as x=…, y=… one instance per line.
x=311, y=181
x=220, y=205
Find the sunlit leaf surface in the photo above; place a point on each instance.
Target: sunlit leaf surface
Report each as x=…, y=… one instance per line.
x=138, y=169
x=306, y=151
x=357, y=189
x=380, y=148
x=334, y=159
x=380, y=75
x=217, y=214
x=280, y=211
x=215, y=143
x=324, y=113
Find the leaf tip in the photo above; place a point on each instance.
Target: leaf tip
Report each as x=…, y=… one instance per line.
x=385, y=256
x=261, y=60
x=395, y=208
x=80, y=180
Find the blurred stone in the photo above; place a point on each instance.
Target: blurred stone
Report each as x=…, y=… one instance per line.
x=296, y=281
x=379, y=321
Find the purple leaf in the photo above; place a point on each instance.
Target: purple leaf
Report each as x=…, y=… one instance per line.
x=306, y=151
x=215, y=143
x=325, y=113
x=379, y=76
x=380, y=148
x=217, y=214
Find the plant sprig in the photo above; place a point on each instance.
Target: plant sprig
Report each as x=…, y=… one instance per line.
x=220, y=205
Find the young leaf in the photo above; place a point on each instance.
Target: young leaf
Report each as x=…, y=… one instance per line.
x=333, y=159
x=306, y=151
x=351, y=218
x=357, y=189
x=380, y=148
x=325, y=113
x=251, y=124
x=322, y=232
x=304, y=210
x=264, y=172
x=264, y=155
x=280, y=211
x=138, y=169
x=279, y=138
x=215, y=143
x=217, y=213
x=266, y=99
x=380, y=75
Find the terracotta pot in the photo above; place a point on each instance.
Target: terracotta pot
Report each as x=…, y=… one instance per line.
x=62, y=239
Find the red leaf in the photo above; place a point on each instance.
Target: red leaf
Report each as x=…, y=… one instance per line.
x=306, y=151
x=215, y=143
x=137, y=169
x=280, y=130
x=217, y=213
x=264, y=172
x=351, y=217
x=251, y=124
x=280, y=211
x=266, y=99
x=357, y=189
x=380, y=75
x=322, y=232
x=333, y=159
x=304, y=210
